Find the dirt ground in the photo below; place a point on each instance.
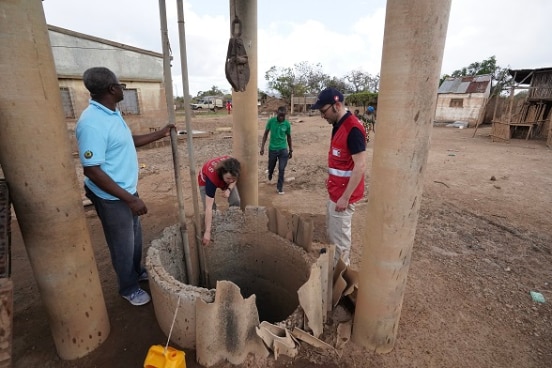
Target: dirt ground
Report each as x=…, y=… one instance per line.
x=483, y=242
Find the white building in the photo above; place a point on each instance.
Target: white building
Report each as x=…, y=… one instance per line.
x=463, y=99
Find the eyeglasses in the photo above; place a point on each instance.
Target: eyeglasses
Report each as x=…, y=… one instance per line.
x=121, y=85
x=323, y=112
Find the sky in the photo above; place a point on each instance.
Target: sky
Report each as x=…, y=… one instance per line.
x=340, y=36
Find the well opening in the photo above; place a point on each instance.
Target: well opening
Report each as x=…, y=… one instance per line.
x=266, y=266
x=244, y=252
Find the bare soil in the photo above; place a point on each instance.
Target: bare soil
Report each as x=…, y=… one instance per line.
x=483, y=242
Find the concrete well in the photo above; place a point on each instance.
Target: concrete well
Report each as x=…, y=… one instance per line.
x=243, y=251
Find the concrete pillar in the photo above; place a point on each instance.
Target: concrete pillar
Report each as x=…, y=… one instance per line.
x=36, y=160
x=244, y=107
x=413, y=46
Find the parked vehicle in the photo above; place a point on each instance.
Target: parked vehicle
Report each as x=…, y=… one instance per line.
x=211, y=103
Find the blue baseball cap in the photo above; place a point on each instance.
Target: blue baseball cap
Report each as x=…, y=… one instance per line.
x=328, y=96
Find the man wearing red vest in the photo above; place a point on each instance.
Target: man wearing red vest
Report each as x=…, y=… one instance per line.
x=223, y=173
x=346, y=167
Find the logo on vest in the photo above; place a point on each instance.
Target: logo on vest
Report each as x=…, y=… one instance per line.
x=336, y=152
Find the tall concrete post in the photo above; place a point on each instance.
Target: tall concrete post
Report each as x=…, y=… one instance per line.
x=36, y=160
x=413, y=46
x=245, y=128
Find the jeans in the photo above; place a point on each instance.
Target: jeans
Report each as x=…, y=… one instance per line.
x=338, y=225
x=123, y=234
x=281, y=156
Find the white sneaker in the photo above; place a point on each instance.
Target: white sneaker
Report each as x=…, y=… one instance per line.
x=281, y=192
x=139, y=297
x=143, y=276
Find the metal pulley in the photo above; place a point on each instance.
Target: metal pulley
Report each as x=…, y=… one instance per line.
x=237, y=62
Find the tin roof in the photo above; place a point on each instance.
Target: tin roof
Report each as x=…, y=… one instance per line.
x=521, y=75
x=466, y=84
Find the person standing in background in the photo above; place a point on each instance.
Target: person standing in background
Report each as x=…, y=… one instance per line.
x=279, y=147
x=371, y=117
x=364, y=123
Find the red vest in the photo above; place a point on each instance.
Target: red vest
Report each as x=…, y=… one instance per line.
x=341, y=164
x=209, y=171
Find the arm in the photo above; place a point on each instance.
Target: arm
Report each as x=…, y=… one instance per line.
x=290, y=147
x=356, y=176
x=102, y=180
x=231, y=186
x=141, y=140
x=265, y=136
x=208, y=219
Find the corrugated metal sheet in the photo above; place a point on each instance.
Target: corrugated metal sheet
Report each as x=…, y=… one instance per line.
x=522, y=74
x=467, y=84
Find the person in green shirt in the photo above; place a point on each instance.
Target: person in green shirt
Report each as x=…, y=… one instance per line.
x=279, y=148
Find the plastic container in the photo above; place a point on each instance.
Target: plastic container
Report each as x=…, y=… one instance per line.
x=158, y=357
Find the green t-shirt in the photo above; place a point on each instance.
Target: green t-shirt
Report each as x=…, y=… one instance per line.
x=278, y=133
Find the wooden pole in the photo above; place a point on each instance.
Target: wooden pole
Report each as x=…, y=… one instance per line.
x=204, y=272
x=414, y=41
x=190, y=256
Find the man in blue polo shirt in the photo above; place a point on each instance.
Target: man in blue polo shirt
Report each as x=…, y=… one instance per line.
x=107, y=151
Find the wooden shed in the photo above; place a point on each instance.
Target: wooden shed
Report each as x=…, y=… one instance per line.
x=527, y=117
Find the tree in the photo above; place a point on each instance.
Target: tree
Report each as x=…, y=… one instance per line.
x=214, y=91
x=338, y=84
x=362, y=82
x=361, y=99
x=299, y=80
x=306, y=78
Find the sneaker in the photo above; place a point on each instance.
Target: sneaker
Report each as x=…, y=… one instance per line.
x=143, y=276
x=139, y=297
x=281, y=192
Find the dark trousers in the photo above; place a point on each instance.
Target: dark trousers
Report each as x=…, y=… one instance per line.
x=123, y=234
x=280, y=156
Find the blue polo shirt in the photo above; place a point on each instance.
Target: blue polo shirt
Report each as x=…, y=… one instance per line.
x=105, y=140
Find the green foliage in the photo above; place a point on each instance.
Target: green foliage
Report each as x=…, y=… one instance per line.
x=214, y=91
x=306, y=78
x=303, y=78
x=361, y=99
x=338, y=84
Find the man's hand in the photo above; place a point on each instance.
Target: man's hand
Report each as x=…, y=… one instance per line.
x=167, y=129
x=262, y=151
x=341, y=204
x=137, y=206
x=206, y=238
x=290, y=154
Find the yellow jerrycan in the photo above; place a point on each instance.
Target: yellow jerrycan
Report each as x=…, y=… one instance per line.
x=159, y=357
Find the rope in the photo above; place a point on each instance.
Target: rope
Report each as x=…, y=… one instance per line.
x=172, y=324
